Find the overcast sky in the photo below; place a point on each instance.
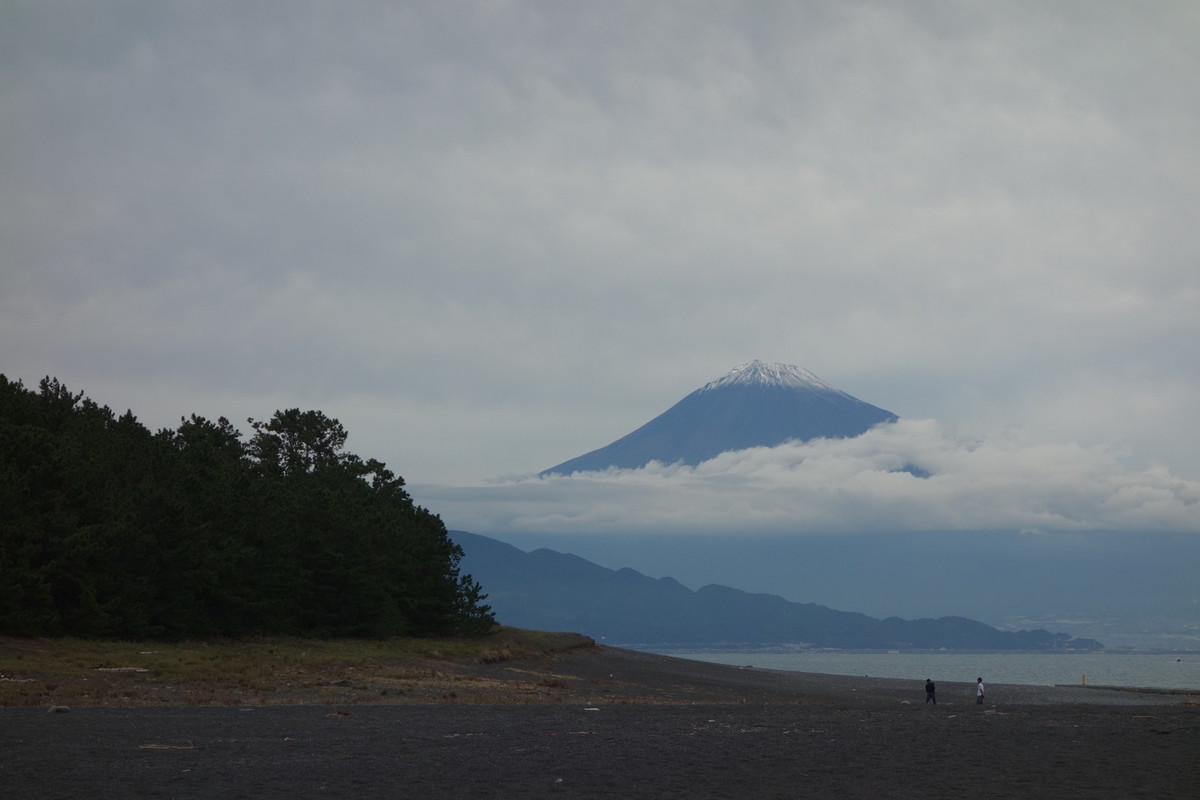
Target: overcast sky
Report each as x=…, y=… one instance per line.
x=491, y=236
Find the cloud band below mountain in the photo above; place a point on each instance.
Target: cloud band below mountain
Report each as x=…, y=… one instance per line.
x=910, y=475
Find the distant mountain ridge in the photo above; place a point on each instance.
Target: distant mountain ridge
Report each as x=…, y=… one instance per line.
x=548, y=590
x=757, y=404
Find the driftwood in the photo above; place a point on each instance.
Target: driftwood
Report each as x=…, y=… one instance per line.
x=188, y=746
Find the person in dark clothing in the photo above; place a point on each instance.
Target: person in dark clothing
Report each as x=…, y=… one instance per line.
x=930, y=692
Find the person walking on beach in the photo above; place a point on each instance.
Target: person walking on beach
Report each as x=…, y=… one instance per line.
x=979, y=692
x=930, y=692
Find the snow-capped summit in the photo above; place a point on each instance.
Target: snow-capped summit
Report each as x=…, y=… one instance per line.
x=754, y=405
x=762, y=372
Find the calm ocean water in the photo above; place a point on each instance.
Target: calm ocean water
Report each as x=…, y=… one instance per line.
x=1158, y=670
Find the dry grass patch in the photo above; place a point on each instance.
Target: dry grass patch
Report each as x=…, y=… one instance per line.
x=74, y=672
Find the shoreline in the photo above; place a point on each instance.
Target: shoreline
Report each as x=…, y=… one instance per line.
x=768, y=683
x=1134, y=672
x=572, y=669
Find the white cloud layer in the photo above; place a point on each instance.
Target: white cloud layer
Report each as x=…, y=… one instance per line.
x=911, y=475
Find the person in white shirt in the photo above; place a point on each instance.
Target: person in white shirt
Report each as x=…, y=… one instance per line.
x=979, y=692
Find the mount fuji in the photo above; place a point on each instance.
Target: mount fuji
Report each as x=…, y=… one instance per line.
x=754, y=405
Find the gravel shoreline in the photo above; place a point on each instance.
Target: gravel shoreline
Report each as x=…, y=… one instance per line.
x=631, y=725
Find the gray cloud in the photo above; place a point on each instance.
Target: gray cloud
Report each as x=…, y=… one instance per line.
x=491, y=236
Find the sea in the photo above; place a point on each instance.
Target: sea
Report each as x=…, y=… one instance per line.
x=1141, y=670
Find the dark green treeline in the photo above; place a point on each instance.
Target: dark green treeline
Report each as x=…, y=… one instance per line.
x=109, y=530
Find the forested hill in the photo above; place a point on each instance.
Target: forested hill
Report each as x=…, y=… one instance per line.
x=110, y=530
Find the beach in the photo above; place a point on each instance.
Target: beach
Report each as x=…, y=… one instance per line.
x=606, y=722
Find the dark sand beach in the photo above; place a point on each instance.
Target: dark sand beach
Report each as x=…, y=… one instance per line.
x=614, y=723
